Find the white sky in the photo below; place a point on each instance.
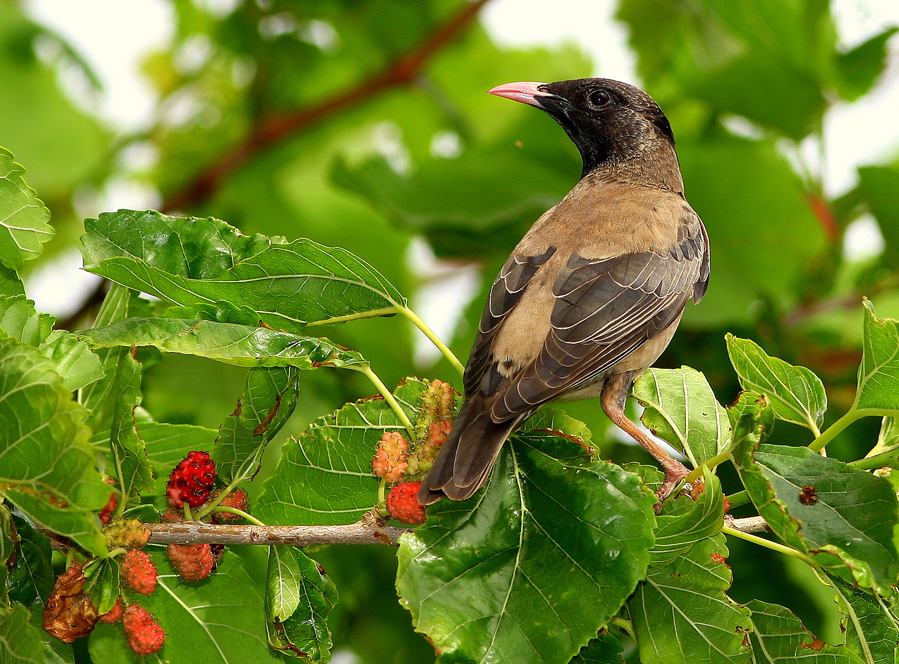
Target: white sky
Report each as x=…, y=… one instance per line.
x=113, y=36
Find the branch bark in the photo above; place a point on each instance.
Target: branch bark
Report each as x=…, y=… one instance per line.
x=368, y=530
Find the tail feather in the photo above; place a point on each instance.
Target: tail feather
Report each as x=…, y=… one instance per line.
x=467, y=457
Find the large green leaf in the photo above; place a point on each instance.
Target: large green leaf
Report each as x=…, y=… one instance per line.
x=268, y=400
x=21, y=639
x=243, y=345
x=779, y=637
x=604, y=649
x=871, y=623
x=324, y=476
x=31, y=578
x=680, y=612
x=49, y=470
x=878, y=374
x=219, y=621
x=544, y=556
x=844, y=518
x=23, y=218
x=299, y=596
x=681, y=409
x=287, y=284
x=113, y=401
x=795, y=393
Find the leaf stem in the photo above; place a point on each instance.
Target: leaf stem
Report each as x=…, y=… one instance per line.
x=834, y=430
x=429, y=333
x=239, y=512
x=737, y=499
x=768, y=544
x=714, y=462
x=366, y=370
x=626, y=625
x=374, y=313
x=889, y=458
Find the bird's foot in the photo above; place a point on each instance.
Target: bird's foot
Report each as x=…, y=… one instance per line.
x=675, y=471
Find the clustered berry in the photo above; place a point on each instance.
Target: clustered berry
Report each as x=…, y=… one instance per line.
x=115, y=613
x=106, y=513
x=402, y=503
x=144, y=634
x=237, y=499
x=126, y=533
x=390, y=459
x=139, y=572
x=192, y=562
x=192, y=480
x=403, y=463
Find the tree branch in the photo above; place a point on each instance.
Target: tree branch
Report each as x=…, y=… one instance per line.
x=279, y=126
x=368, y=530
x=752, y=524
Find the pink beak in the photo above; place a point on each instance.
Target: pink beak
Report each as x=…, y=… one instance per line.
x=525, y=92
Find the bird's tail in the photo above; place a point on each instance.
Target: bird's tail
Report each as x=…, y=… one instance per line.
x=467, y=457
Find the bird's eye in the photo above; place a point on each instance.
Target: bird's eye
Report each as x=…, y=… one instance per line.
x=599, y=98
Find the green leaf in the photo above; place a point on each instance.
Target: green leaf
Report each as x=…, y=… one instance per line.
x=324, y=476
x=288, y=284
x=842, y=517
x=23, y=218
x=878, y=374
x=299, y=596
x=877, y=187
x=20, y=320
x=859, y=68
x=546, y=555
x=795, y=393
x=31, y=578
x=77, y=365
x=7, y=549
x=218, y=621
x=243, y=345
x=680, y=530
x=604, y=649
x=779, y=637
x=681, y=409
x=21, y=640
x=269, y=398
x=113, y=401
x=103, y=583
x=10, y=282
x=680, y=612
x=871, y=623
x=48, y=471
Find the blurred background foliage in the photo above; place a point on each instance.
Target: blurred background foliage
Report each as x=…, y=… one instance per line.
x=365, y=125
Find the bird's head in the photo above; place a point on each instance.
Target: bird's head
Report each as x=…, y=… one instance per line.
x=609, y=121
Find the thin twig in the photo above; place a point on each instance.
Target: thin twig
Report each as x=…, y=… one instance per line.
x=369, y=530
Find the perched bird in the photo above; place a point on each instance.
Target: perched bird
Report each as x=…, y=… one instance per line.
x=593, y=293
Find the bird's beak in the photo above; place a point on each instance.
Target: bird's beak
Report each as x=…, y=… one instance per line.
x=525, y=92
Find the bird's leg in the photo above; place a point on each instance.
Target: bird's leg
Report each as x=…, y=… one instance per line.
x=614, y=395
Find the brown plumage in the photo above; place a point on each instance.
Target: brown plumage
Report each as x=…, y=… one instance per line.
x=593, y=293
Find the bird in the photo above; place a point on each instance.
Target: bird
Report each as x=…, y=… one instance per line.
x=592, y=294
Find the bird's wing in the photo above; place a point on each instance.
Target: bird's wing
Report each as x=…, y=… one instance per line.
x=605, y=309
x=505, y=293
